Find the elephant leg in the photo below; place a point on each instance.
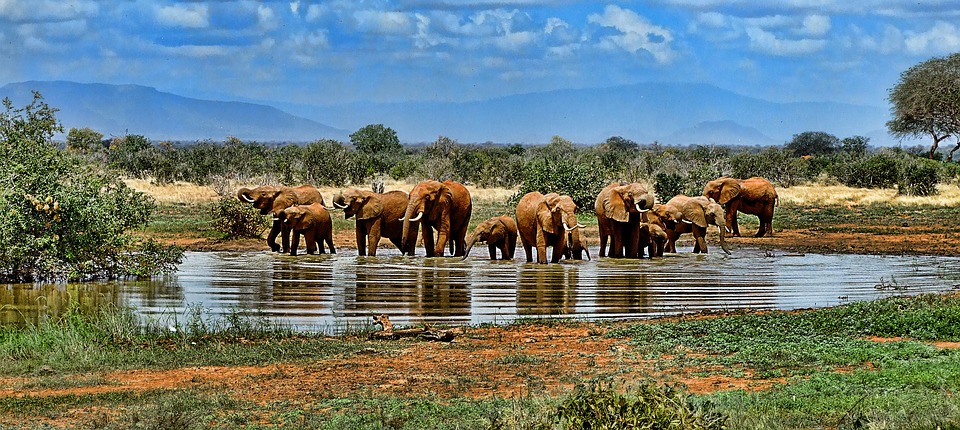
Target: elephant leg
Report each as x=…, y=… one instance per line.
x=361, y=240
x=700, y=236
x=428, y=241
x=442, y=237
x=295, y=242
x=285, y=233
x=559, y=250
x=373, y=237
x=603, y=242
x=272, y=236
x=329, y=239
x=541, y=248
x=492, y=248
x=310, y=236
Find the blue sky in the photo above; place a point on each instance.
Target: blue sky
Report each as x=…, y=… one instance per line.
x=327, y=52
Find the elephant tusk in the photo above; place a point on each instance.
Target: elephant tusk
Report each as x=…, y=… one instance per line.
x=565, y=227
x=727, y=229
x=581, y=225
x=639, y=209
x=338, y=206
x=687, y=221
x=417, y=218
x=247, y=198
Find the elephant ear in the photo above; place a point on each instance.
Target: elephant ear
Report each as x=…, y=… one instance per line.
x=730, y=189
x=615, y=207
x=545, y=217
x=497, y=232
x=372, y=207
x=693, y=211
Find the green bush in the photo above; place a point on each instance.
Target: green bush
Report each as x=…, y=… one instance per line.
x=565, y=176
x=880, y=170
x=235, y=219
x=668, y=185
x=646, y=407
x=63, y=217
x=918, y=176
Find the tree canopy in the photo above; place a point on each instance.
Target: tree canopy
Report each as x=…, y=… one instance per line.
x=926, y=102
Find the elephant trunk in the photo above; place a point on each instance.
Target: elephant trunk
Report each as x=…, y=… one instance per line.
x=407, y=219
x=723, y=241
x=470, y=243
x=244, y=195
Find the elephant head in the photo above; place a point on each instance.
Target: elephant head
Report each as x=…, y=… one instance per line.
x=722, y=189
x=293, y=216
x=264, y=198
x=665, y=214
x=555, y=212
x=625, y=199
x=490, y=231
x=653, y=235
x=363, y=204
x=704, y=211
x=429, y=198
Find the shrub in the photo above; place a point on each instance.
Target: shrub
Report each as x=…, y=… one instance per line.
x=564, y=176
x=235, y=219
x=64, y=218
x=918, y=176
x=668, y=185
x=646, y=407
x=880, y=170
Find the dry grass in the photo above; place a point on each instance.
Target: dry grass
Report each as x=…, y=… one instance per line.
x=822, y=195
x=831, y=195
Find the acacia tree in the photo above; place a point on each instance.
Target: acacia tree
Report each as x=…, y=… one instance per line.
x=380, y=144
x=926, y=102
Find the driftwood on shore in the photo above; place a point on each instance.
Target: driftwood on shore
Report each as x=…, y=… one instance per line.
x=425, y=333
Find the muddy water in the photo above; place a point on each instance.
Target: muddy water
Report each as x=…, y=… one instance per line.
x=329, y=292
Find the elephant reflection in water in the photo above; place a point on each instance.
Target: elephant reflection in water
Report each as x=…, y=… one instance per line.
x=623, y=293
x=429, y=289
x=547, y=290
x=293, y=283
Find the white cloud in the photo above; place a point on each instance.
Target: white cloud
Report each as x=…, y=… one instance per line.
x=295, y=7
x=636, y=33
x=46, y=10
x=816, y=25
x=768, y=43
x=187, y=16
x=942, y=38
x=266, y=19
x=890, y=41
x=384, y=22
x=515, y=41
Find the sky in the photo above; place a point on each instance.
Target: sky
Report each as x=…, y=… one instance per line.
x=330, y=52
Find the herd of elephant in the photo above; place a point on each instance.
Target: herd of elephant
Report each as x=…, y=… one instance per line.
x=631, y=224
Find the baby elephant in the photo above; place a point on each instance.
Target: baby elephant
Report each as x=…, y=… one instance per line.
x=499, y=233
x=653, y=238
x=314, y=223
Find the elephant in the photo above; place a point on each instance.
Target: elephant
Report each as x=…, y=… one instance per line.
x=697, y=214
x=314, y=223
x=753, y=196
x=653, y=237
x=272, y=200
x=619, y=207
x=542, y=221
x=378, y=215
x=444, y=206
x=499, y=233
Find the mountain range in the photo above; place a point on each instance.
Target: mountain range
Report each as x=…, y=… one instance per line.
x=670, y=113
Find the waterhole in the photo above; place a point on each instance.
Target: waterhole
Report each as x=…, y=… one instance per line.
x=332, y=292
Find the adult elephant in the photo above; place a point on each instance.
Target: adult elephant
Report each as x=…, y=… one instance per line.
x=442, y=206
x=314, y=223
x=753, y=196
x=697, y=214
x=619, y=208
x=499, y=233
x=273, y=200
x=378, y=215
x=546, y=220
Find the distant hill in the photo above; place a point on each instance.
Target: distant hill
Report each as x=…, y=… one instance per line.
x=671, y=113
x=120, y=109
x=642, y=112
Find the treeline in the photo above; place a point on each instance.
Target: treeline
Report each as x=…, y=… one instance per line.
x=578, y=170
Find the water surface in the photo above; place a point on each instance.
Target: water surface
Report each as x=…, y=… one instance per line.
x=328, y=292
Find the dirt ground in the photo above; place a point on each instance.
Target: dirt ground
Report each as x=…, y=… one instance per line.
x=482, y=362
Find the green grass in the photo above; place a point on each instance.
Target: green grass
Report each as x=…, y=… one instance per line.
x=925, y=218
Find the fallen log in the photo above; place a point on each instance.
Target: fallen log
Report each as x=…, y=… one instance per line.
x=425, y=333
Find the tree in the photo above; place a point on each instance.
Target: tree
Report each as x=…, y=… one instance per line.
x=379, y=144
x=813, y=143
x=65, y=217
x=855, y=145
x=926, y=102
x=375, y=138
x=83, y=139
